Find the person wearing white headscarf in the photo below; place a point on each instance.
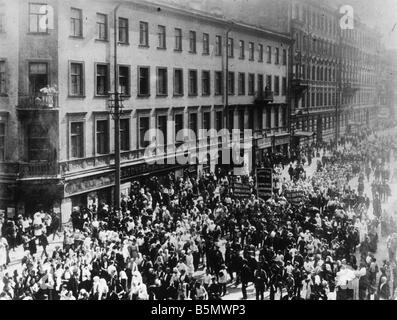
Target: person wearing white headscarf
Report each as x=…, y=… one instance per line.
x=138, y=288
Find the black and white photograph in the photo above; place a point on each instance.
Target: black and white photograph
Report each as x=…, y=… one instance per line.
x=198, y=150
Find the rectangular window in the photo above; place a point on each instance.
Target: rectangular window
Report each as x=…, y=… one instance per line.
x=277, y=53
x=123, y=30
x=178, y=82
x=38, y=76
x=242, y=49
x=219, y=120
x=260, y=83
x=207, y=121
x=162, y=37
x=2, y=141
x=77, y=139
x=124, y=134
x=192, y=82
x=143, y=34
x=192, y=41
x=277, y=85
x=102, y=79
x=241, y=83
x=102, y=26
x=102, y=137
x=269, y=83
x=178, y=39
x=143, y=81
x=143, y=128
x=251, y=84
x=218, y=83
x=251, y=49
x=284, y=57
x=124, y=80
x=284, y=86
x=231, y=83
x=206, y=83
x=76, y=22
x=193, y=123
x=218, y=45
x=76, y=79
x=162, y=83
x=206, y=43
x=260, y=52
x=37, y=13
x=162, y=128
x=178, y=119
x=3, y=89
x=269, y=54
x=38, y=143
x=230, y=47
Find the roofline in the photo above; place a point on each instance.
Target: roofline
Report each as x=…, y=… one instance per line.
x=212, y=18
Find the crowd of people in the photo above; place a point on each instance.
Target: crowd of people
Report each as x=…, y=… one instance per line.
x=191, y=238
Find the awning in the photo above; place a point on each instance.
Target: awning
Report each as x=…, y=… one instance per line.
x=303, y=134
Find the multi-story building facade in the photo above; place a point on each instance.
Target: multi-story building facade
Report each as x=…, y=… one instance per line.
x=58, y=141
x=333, y=72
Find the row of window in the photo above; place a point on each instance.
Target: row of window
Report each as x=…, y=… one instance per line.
x=76, y=30
x=143, y=83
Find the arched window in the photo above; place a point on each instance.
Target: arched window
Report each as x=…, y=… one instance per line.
x=313, y=73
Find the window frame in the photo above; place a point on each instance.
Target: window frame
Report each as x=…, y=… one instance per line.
x=141, y=139
x=269, y=54
x=192, y=42
x=260, y=52
x=176, y=94
x=139, y=94
x=206, y=44
x=218, y=45
x=82, y=79
x=162, y=37
x=143, y=34
x=220, y=92
x=178, y=40
x=80, y=20
x=241, y=84
x=123, y=119
x=128, y=78
x=205, y=94
x=71, y=122
x=251, y=51
x=251, y=76
x=107, y=79
x=241, y=48
x=158, y=93
x=106, y=24
x=231, y=88
x=192, y=94
x=126, y=30
x=38, y=19
x=3, y=93
x=3, y=152
x=107, y=147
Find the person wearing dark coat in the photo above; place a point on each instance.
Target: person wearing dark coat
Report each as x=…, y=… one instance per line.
x=260, y=280
x=245, y=276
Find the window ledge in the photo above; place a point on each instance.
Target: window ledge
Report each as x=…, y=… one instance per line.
x=76, y=96
x=158, y=95
x=192, y=52
x=205, y=54
x=142, y=96
x=192, y=95
x=76, y=37
x=123, y=43
x=38, y=33
x=206, y=94
x=101, y=96
x=101, y=40
x=161, y=48
x=178, y=95
x=143, y=46
x=177, y=50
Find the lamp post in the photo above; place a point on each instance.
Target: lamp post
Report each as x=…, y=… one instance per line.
x=115, y=109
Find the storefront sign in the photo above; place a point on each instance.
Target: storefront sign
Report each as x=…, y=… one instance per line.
x=294, y=196
x=89, y=184
x=264, y=143
x=264, y=182
x=241, y=190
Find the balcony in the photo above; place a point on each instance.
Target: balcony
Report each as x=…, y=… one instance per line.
x=299, y=84
x=38, y=101
x=264, y=97
x=41, y=169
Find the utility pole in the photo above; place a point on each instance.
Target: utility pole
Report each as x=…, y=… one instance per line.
x=116, y=116
x=338, y=89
